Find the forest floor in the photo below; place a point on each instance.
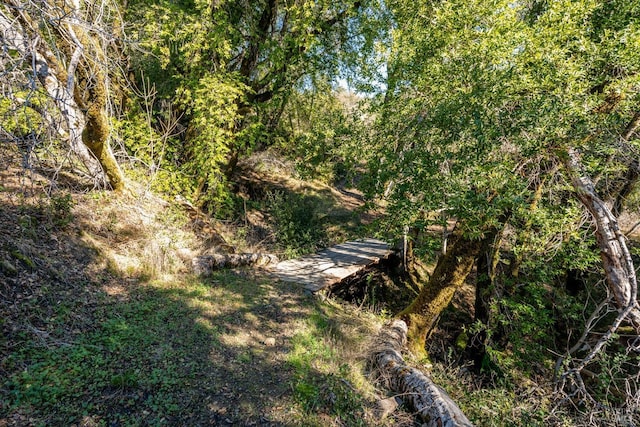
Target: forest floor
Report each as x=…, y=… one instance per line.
x=103, y=324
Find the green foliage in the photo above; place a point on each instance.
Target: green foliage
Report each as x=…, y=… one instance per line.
x=60, y=206
x=298, y=222
x=479, y=100
x=228, y=70
x=190, y=163
x=213, y=109
x=141, y=139
x=525, y=318
x=321, y=126
x=19, y=117
x=183, y=127
x=28, y=120
x=632, y=203
x=179, y=40
x=613, y=368
x=482, y=100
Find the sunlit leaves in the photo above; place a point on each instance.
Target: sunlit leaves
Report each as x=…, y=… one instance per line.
x=231, y=68
x=480, y=89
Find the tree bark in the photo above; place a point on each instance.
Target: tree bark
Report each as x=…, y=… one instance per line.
x=476, y=348
x=431, y=403
x=95, y=134
x=451, y=271
x=53, y=81
x=415, y=272
x=85, y=119
x=90, y=61
x=616, y=258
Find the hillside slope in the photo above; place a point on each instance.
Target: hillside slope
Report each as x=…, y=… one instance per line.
x=103, y=323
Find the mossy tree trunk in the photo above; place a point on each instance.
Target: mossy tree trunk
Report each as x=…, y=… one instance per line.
x=78, y=88
x=91, y=96
x=451, y=271
x=96, y=132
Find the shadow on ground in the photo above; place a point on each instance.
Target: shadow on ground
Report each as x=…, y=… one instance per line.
x=84, y=345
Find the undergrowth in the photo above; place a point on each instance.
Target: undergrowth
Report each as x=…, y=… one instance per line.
x=297, y=221
x=328, y=380
x=102, y=326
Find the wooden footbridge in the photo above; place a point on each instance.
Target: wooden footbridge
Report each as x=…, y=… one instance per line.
x=332, y=265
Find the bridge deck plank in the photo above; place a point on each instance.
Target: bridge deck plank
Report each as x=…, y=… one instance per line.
x=331, y=265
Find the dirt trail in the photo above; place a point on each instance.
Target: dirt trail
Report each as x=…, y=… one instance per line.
x=102, y=325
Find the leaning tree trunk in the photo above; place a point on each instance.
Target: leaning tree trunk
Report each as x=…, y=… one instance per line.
x=96, y=131
x=52, y=80
x=91, y=97
x=616, y=258
x=82, y=108
x=451, y=271
x=431, y=403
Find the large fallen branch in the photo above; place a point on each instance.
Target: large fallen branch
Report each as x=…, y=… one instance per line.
x=431, y=403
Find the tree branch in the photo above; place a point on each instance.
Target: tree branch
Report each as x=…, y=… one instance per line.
x=631, y=127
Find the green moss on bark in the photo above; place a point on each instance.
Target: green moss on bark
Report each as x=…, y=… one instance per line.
x=96, y=133
x=449, y=275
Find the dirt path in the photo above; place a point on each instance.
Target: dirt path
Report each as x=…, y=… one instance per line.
x=102, y=322
x=95, y=331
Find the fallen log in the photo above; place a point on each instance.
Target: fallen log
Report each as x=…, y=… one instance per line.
x=431, y=403
x=206, y=264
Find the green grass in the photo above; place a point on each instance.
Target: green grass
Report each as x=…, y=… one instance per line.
x=136, y=363
x=323, y=381
x=175, y=351
x=131, y=363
